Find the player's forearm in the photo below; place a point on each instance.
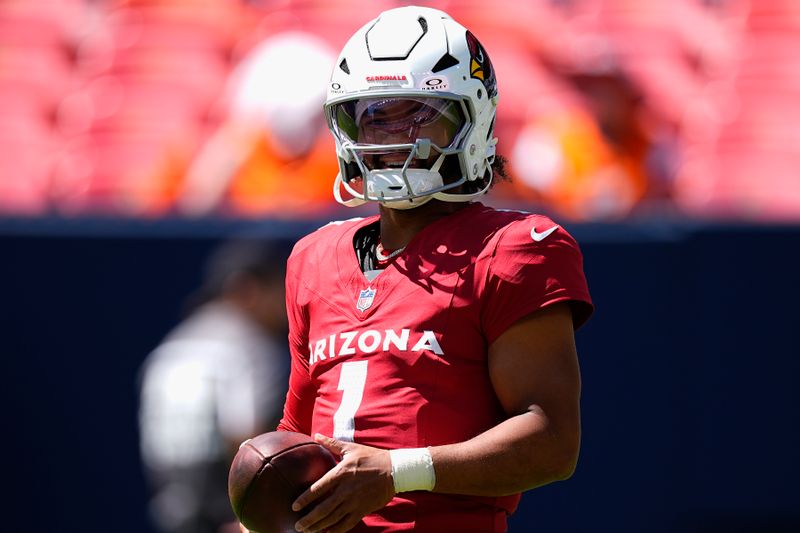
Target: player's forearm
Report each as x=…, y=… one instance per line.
x=521, y=453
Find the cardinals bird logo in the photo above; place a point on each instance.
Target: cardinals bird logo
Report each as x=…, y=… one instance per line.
x=480, y=66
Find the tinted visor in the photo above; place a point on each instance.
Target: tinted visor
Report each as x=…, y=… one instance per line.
x=394, y=120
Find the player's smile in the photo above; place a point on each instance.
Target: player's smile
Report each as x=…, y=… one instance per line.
x=394, y=160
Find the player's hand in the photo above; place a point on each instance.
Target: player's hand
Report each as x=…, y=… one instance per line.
x=360, y=484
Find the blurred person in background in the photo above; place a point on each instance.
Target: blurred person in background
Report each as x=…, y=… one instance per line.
x=626, y=85
x=593, y=150
x=218, y=378
x=273, y=134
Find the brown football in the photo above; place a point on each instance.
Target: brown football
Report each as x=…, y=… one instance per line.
x=268, y=473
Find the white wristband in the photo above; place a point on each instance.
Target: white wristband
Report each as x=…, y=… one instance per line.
x=412, y=469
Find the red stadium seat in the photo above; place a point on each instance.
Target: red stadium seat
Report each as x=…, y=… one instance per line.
x=119, y=103
x=771, y=46
x=198, y=74
x=331, y=20
x=27, y=156
x=119, y=173
x=774, y=16
x=749, y=172
x=203, y=25
x=38, y=72
x=535, y=27
x=39, y=23
x=17, y=104
x=761, y=183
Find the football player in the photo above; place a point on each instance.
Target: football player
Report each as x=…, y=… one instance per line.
x=433, y=344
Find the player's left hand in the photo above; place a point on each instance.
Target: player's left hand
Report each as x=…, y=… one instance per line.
x=360, y=484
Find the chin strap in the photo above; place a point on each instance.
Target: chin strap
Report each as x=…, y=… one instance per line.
x=449, y=197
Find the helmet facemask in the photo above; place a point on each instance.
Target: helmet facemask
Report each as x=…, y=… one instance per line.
x=392, y=149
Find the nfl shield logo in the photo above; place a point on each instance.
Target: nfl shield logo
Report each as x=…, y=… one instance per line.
x=365, y=298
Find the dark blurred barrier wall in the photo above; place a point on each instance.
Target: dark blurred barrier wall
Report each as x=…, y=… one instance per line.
x=690, y=401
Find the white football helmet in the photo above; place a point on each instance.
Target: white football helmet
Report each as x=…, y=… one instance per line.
x=413, y=92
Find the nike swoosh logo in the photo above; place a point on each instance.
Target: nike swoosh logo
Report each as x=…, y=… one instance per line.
x=539, y=237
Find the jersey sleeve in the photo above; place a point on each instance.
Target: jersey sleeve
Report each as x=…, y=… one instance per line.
x=299, y=406
x=526, y=274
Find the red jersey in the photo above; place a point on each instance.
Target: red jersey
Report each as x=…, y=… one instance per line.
x=401, y=361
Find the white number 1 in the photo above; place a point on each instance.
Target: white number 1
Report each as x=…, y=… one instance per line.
x=352, y=380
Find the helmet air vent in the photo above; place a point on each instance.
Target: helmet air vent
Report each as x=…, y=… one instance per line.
x=344, y=67
x=445, y=62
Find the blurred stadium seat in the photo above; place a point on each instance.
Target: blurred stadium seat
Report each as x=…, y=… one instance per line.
x=122, y=172
x=331, y=20
x=27, y=153
x=774, y=16
x=41, y=23
x=101, y=81
x=748, y=167
x=150, y=83
x=167, y=26
x=39, y=73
